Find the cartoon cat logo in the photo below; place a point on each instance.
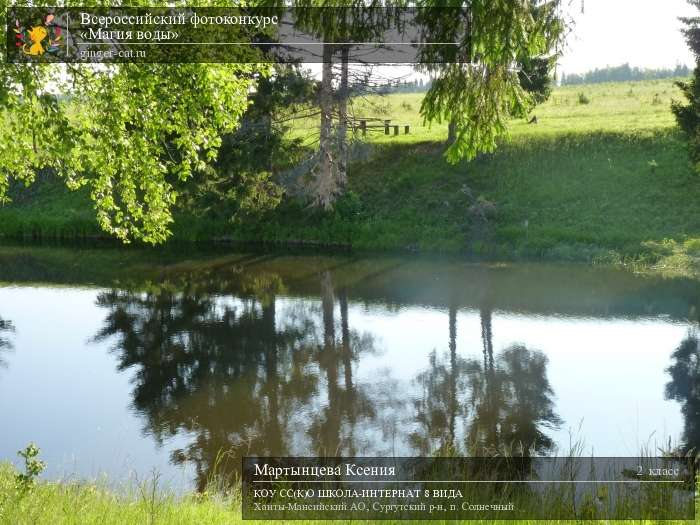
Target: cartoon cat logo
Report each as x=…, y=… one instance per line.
x=38, y=39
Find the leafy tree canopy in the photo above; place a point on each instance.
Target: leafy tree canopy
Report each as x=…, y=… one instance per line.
x=126, y=131
x=476, y=85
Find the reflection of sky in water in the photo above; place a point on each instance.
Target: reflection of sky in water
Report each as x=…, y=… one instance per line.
x=607, y=375
x=62, y=390
x=63, y=393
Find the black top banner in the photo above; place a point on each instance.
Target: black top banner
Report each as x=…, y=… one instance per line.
x=243, y=35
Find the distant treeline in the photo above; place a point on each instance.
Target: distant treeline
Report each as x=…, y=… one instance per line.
x=623, y=73
x=406, y=86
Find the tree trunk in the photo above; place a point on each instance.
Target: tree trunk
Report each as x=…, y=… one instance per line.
x=345, y=339
x=343, y=120
x=330, y=439
x=491, y=401
x=453, y=376
x=486, y=316
x=274, y=432
x=326, y=184
x=451, y=132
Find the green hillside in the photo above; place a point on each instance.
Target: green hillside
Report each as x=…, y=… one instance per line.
x=602, y=176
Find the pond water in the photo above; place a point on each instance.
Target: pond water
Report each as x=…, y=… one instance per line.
x=124, y=363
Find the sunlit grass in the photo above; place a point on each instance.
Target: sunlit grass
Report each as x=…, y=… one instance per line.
x=603, y=175
x=613, y=107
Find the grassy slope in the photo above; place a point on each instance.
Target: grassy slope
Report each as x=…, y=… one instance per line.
x=48, y=209
x=606, y=180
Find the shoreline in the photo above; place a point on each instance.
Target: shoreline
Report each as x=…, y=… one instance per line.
x=609, y=182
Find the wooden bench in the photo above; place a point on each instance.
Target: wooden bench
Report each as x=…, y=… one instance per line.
x=363, y=124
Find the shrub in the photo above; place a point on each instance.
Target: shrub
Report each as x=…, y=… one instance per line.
x=692, y=246
x=33, y=466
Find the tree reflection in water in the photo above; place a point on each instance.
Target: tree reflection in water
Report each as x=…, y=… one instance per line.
x=438, y=408
x=225, y=360
x=504, y=401
x=224, y=368
x=344, y=403
x=5, y=343
x=684, y=387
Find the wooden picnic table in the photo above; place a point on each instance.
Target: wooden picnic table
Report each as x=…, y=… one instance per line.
x=365, y=123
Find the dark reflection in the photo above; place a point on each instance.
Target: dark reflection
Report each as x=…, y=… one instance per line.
x=228, y=362
x=345, y=402
x=5, y=343
x=209, y=368
x=254, y=353
x=438, y=407
x=684, y=387
x=505, y=401
x=233, y=375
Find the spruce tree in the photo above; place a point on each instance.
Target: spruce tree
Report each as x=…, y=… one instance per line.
x=688, y=115
x=476, y=84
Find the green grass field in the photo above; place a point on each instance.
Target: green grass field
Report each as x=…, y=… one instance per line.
x=608, y=180
x=612, y=107
x=601, y=177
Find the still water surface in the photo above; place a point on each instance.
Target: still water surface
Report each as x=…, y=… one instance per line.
x=124, y=363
